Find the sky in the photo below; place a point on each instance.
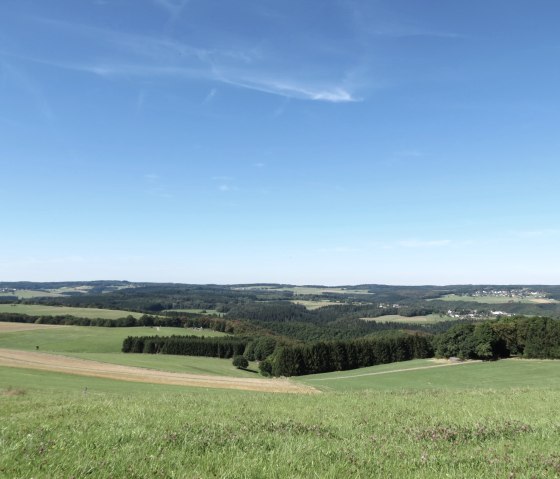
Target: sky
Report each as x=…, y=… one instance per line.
x=296, y=141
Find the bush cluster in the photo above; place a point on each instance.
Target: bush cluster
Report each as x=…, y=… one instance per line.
x=521, y=336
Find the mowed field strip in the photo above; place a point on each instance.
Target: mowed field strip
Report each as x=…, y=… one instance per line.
x=395, y=371
x=84, y=367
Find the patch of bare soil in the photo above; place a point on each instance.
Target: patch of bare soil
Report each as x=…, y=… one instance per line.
x=85, y=367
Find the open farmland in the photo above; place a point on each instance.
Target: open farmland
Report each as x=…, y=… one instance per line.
x=86, y=367
x=311, y=305
x=126, y=429
x=83, y=339
x=442, y=375
x=306, y=290
x=89, y=313
x=28, y=293
x=496, y=299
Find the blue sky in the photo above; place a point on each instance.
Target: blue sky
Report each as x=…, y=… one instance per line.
x=332, y=142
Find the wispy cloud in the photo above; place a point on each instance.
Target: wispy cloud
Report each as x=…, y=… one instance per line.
x=135, y=55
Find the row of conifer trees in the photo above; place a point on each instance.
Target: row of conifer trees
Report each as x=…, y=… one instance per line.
x=224, y=347
x=321, y=357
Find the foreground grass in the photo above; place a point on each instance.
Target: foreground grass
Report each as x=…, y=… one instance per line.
x=86, y=339
x=52, y=428
x=89, y=313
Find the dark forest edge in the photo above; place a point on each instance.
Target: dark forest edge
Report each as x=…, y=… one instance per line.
x=491, y=340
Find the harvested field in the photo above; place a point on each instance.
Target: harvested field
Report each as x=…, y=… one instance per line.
x=11, y=327
x=83, y=367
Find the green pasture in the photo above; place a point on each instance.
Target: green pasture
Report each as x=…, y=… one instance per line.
x=494, y=299
x=85, y=339
x=396, y=318
x=28, y=293
x=90, y=313
x=311, y=305
x=308, y=290
x=52, y=427
x=176, y=364
x=503, y=374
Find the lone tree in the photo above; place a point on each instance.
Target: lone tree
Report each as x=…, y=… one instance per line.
x=240, y=362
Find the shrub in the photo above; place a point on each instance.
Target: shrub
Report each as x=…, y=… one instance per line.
x=240, y=362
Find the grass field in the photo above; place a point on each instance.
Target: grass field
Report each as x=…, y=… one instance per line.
x=311, y=305
x=90, y=313
x=429, y=374
x=395, y=318
x=28, y=293
x=306, y=290
x=52, y=427
x=178, y=364
x=85, y=339
x=407, y=420
x=495, y=299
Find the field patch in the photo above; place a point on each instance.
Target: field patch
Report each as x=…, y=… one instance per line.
x=431, y=374
x=13, y=327
x=174, y=363
x=494, y=299
x=83, y=367
x=306, y=290
x=89, y=313
x=86, y=339
x=311, y=305
x=396, y=318
x=30, y=293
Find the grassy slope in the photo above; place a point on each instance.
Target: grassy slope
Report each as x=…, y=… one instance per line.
x=86, y=339
x=142, y=430
x=179, y=364
x=90, y=313
x=495, y=375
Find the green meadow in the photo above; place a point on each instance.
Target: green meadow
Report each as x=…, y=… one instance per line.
x=407, y=420
x=52, y=427
x=427, y=374
x=90, y=313
x=85, y=339
x=29, y=293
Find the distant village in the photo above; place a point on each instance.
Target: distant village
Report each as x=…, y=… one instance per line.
x=514, y=294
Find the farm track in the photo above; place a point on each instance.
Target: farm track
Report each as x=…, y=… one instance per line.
x=84, y=367
x=396, y=371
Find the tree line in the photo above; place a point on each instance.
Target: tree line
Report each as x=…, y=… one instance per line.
x=321, y=357
x=224, y=347
x=521, y=336
x=216, y=324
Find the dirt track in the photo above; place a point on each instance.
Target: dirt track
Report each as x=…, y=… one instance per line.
x=83, y=367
